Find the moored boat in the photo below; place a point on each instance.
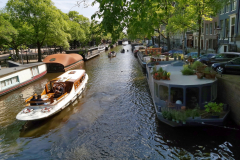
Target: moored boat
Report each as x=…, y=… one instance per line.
x=20, y=75
x=181, y=100
x=71, y=83
x=112, y=54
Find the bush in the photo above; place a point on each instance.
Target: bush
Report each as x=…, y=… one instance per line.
x=197, y=64
x=187, y=71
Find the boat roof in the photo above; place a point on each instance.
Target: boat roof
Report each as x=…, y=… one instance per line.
x=7, y=71
x=70, y=75
x=177, y=78
x=64, y=59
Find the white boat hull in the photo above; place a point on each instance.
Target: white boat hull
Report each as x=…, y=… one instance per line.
x=47, y=110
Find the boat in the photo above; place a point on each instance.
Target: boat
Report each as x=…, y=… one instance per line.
x=62, y=62
x=146, y=55
x=123, y=51
x=183, y=95
x=101, y=48
x=18, y=75
x=112, y=54
x=72, y=82
x=138, y=48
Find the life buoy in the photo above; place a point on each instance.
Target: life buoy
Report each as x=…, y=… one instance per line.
x=27, y=110
x=46, y=109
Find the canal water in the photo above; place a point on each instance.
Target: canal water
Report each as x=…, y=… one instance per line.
x=113, y=119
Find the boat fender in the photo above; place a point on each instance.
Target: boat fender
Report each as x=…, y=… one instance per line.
x=27, y=110
x=46, y=109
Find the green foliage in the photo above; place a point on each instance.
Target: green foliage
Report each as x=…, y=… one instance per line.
x=154, y=69
x=160, y=70
x=187, y=71
x=214, y=108
x=197, y=64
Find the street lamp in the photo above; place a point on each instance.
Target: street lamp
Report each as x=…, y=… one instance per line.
x=218, y=30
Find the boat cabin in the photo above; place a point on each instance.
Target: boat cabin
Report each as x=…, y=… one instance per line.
x=62, y=62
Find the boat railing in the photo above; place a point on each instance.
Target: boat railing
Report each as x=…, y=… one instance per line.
x=61, y=96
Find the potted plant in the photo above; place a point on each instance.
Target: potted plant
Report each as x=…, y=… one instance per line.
x=180, y=57
x=168, y=75
x=177, y=116
x=186, y=70
x=183, y=117
x=164, y=75
x=207, y=73
x=164, y=112
x=175, y=56
x=198, y=66
x=214, y=109
x=167, y=58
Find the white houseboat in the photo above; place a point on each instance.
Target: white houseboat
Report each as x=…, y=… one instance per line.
x=183, y=97
x=20, y=75
x=72, y=83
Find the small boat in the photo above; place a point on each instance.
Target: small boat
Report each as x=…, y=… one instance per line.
x=112, y=54
x=123, y=51
x=72, y=84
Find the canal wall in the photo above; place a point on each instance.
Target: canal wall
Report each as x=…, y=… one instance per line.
x=229, y=93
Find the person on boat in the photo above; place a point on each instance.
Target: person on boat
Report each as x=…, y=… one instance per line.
x=34, y=98
x=39, y=99
x=58, y=91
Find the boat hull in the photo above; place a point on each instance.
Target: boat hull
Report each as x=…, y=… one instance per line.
x=48, y=110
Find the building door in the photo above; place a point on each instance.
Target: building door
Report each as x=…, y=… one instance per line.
x=225, y=48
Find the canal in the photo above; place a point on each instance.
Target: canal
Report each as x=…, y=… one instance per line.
x=113, y=119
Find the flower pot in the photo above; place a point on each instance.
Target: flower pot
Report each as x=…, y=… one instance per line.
x=207, y=75
x=213, y=75
x=164, y=77
x=158, y=59
x=168, y=78
x=200, y=75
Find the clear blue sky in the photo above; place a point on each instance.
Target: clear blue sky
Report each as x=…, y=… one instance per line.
x=67, y=5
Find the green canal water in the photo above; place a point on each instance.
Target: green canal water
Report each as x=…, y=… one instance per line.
x=113, y=119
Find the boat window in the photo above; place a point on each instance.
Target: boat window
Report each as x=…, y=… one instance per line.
x=35, y=71
x=9, y=82
x=163, y=92
x=156, y=89
x=206, y=94
x=192, y=97
x=176, y=95
x=214, y=91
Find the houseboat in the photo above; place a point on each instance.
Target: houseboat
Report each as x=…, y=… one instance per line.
x=20, y=75
x=150, y=54
x=183, y=97
x=101, y=48
x=62, y=62
x=72, y=83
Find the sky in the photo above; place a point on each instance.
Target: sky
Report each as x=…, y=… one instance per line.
x=69, y=5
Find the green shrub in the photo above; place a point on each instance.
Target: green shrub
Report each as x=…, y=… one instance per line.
x=197, y=64
x=187, y=71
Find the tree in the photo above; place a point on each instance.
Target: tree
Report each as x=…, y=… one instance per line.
x=46, y=20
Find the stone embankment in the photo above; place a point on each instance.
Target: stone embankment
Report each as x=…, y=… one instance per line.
x=229, y=93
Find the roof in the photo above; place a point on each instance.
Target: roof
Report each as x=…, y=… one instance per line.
x=64, y=59
x=177, y=78
x=7, y=71
x=71, y=75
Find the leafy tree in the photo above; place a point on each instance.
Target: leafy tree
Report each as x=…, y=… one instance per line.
x=46, y=20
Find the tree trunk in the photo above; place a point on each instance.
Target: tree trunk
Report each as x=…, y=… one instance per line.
x=39, y=52
x=199, y=35
x=17, y=53
x=168, y=42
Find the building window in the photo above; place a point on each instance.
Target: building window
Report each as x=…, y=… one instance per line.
x=210, y=28
x=202, y=27
x=222, y=31
x=234, y=4
x=215, y=26
x=206, y=28
x=9, y=82
x=226, y=28
x=232, y=27
x=222, y=10
x=163, y=92
x=228, y=7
